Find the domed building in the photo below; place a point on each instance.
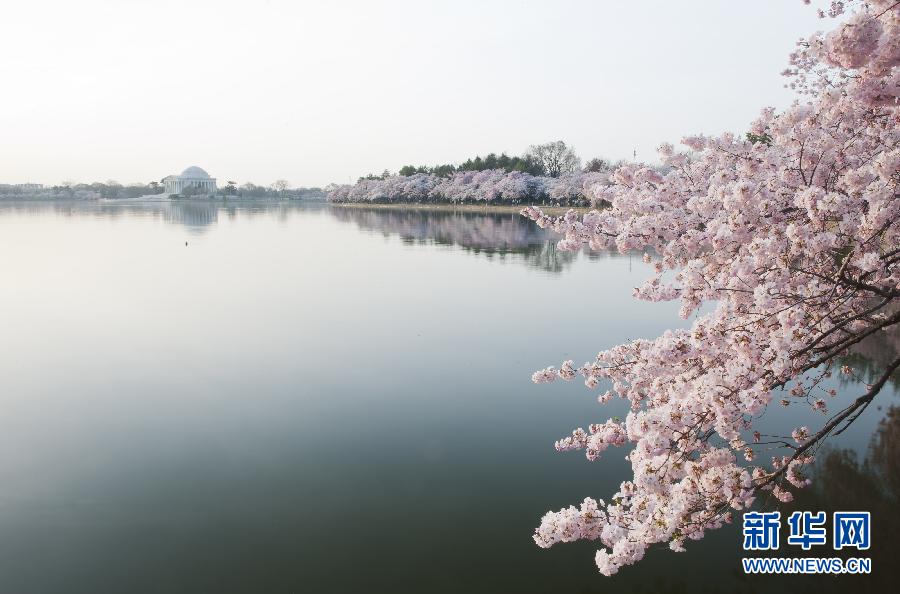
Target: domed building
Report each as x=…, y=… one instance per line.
x=192, y=177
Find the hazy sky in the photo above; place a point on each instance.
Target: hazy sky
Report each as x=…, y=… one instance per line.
x=316, y=92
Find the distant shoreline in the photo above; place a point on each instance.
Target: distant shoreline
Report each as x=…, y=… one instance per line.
x=433, y=207
x=156, y=198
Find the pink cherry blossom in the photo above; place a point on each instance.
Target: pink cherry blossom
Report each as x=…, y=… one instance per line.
x=791, y=236
x=466, y=187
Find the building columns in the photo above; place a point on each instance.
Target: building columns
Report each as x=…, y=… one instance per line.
x=177, y=186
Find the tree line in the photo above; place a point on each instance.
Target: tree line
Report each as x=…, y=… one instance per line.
x=549, y=173
x=550, y=159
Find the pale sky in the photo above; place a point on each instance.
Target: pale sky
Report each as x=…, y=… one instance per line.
x=325, y=91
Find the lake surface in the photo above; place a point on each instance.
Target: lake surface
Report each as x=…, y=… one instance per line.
x=286, y=398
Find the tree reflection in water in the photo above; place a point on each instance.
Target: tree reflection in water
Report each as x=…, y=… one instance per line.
x=866, y=480
x=196, y=215
x=491, y=234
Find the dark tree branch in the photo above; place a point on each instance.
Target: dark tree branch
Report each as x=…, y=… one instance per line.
x=856, y=407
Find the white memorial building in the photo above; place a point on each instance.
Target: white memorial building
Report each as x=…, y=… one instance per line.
x=192, y=177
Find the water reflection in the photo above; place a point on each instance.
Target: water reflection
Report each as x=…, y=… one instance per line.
x=847, y=481
x=491, y=234
x=848, y=476
x=872, y=356
x=294, y=404
x=197, y=215
x=503, y=236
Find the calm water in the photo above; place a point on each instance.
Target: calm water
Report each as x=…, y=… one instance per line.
x=208, y=398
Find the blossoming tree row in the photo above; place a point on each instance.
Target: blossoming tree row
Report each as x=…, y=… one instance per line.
x=491, y=186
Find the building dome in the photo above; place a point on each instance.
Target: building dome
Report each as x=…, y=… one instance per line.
x=194, y=172
x=193, y=181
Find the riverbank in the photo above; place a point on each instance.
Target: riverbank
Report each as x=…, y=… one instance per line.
x=476, y=208
x=156, y=198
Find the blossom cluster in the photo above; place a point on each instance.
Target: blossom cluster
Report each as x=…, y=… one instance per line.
x=490, y=186
x=791, y=236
